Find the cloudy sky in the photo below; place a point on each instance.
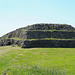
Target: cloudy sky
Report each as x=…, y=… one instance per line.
x=20, y=13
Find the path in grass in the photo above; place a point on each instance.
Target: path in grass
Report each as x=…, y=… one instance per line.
x=61, y=59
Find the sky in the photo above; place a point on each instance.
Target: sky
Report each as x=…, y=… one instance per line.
x=20, y=13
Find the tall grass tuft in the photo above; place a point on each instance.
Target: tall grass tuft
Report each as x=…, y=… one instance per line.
x=32, y=70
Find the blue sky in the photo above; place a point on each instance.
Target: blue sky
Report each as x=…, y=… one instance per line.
x=20, y=13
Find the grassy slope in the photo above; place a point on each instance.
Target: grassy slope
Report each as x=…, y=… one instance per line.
x=11, y=58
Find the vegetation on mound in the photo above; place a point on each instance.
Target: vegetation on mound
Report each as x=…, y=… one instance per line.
x=39, y=39
x=49, y=30
x=16, y=60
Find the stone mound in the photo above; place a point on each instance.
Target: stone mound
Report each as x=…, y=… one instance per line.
x=41, y=35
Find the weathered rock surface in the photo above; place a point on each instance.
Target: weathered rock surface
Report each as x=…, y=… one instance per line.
x=6, y=42
x=50, y=43
x=50, y=27
x=50, y=34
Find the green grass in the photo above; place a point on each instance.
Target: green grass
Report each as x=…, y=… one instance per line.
x=37, y=61
x=51, y=30
x=15, y=38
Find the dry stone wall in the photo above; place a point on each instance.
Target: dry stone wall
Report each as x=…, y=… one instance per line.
x=50, y=43
x=50, y=34
x=39, y=43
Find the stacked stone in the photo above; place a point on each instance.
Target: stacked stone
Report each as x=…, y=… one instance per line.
x=38, y=35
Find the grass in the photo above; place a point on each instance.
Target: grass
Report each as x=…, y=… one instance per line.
x=50, y=30
x=37, y=61
x=32, y=70
x=15, y=38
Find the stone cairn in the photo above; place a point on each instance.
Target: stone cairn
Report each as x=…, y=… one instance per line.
x=41, y=35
